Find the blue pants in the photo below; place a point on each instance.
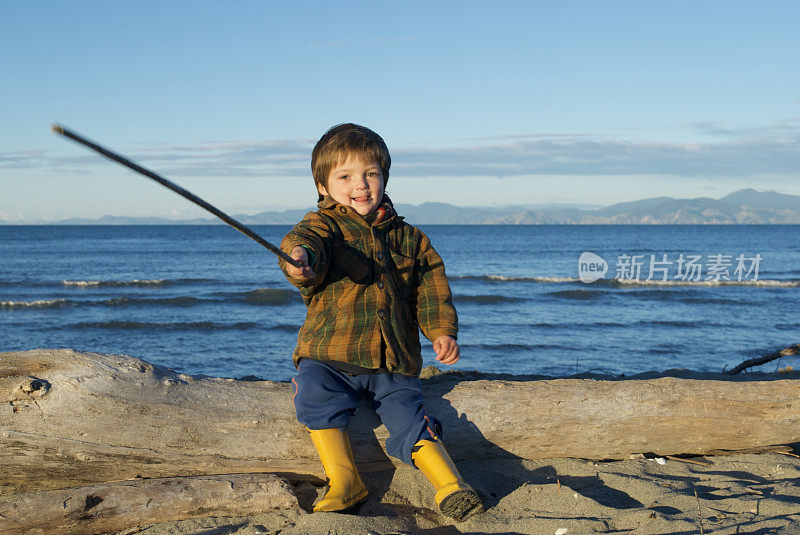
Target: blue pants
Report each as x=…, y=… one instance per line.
x=325, y=398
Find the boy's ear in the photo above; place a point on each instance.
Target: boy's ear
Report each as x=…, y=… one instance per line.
x=321, y=189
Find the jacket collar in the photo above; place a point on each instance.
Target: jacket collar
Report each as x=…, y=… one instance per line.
x=384, y=214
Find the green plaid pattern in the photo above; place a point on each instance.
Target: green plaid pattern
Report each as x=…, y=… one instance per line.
x=374, y=282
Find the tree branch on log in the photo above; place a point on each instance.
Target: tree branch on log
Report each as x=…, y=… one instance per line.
x=791, y=350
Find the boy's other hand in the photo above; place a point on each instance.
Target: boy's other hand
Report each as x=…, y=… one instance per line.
x=447, y=351
x=305, y=273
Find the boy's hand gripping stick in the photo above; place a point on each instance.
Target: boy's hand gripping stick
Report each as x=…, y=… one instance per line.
x=177, y=189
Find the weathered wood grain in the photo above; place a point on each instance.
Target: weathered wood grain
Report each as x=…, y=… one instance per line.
x=120, y=505
x=69, y=418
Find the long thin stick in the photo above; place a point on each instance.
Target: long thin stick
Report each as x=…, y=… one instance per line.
x=699, y=512
x=177, y=189
x=683, y=460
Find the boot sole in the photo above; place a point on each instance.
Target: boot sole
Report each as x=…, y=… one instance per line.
x=461, y=505
x=355, y=503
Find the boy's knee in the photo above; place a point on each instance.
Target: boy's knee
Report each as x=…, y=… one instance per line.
x=400, y=405
x=321, y=399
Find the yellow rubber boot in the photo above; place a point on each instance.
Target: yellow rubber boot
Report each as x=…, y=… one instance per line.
x=345, y=488
x=454, y=497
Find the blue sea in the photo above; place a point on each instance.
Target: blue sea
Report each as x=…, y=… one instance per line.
x=206, y=300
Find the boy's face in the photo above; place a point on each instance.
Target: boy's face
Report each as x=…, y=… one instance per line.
x=355, y=183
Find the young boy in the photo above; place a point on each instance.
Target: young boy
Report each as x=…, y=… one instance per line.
x=370, y=282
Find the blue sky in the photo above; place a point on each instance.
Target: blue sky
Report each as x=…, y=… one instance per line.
x=480, y=103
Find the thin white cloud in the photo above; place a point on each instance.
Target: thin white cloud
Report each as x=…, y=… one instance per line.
x=733, y=152
x=23, y=159
x=607, y=158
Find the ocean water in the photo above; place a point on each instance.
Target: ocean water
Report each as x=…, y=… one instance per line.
x=206, y=300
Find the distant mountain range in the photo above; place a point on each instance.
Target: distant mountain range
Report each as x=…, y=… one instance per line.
x=745, y=206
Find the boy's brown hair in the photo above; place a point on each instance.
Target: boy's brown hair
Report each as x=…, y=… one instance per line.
x=345, y=140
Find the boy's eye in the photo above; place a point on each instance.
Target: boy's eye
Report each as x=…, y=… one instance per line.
x=344, y=177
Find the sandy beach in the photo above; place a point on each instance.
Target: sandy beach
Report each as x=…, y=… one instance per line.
x=735, y=494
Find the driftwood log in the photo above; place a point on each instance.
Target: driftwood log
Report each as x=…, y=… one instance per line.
x=70, y=419
x=78, y=427
x=119, y=505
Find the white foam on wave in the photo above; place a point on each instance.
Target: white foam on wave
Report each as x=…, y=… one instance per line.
x=40, y=303
x=80, y=283
x=762, y=283
x=768, y=283
x=509, y=278
x=134, y=282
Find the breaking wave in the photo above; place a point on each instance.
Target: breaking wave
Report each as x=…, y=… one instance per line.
x=99, y=284
x=132, y=283
x=259, y=297
x=625, y=283
x=39, y=303
x=766, y=283
x=508, y=278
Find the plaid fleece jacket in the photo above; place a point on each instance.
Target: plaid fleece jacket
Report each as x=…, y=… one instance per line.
x=374, y=282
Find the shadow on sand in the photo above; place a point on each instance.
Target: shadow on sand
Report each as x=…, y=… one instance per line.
x=496, y=480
